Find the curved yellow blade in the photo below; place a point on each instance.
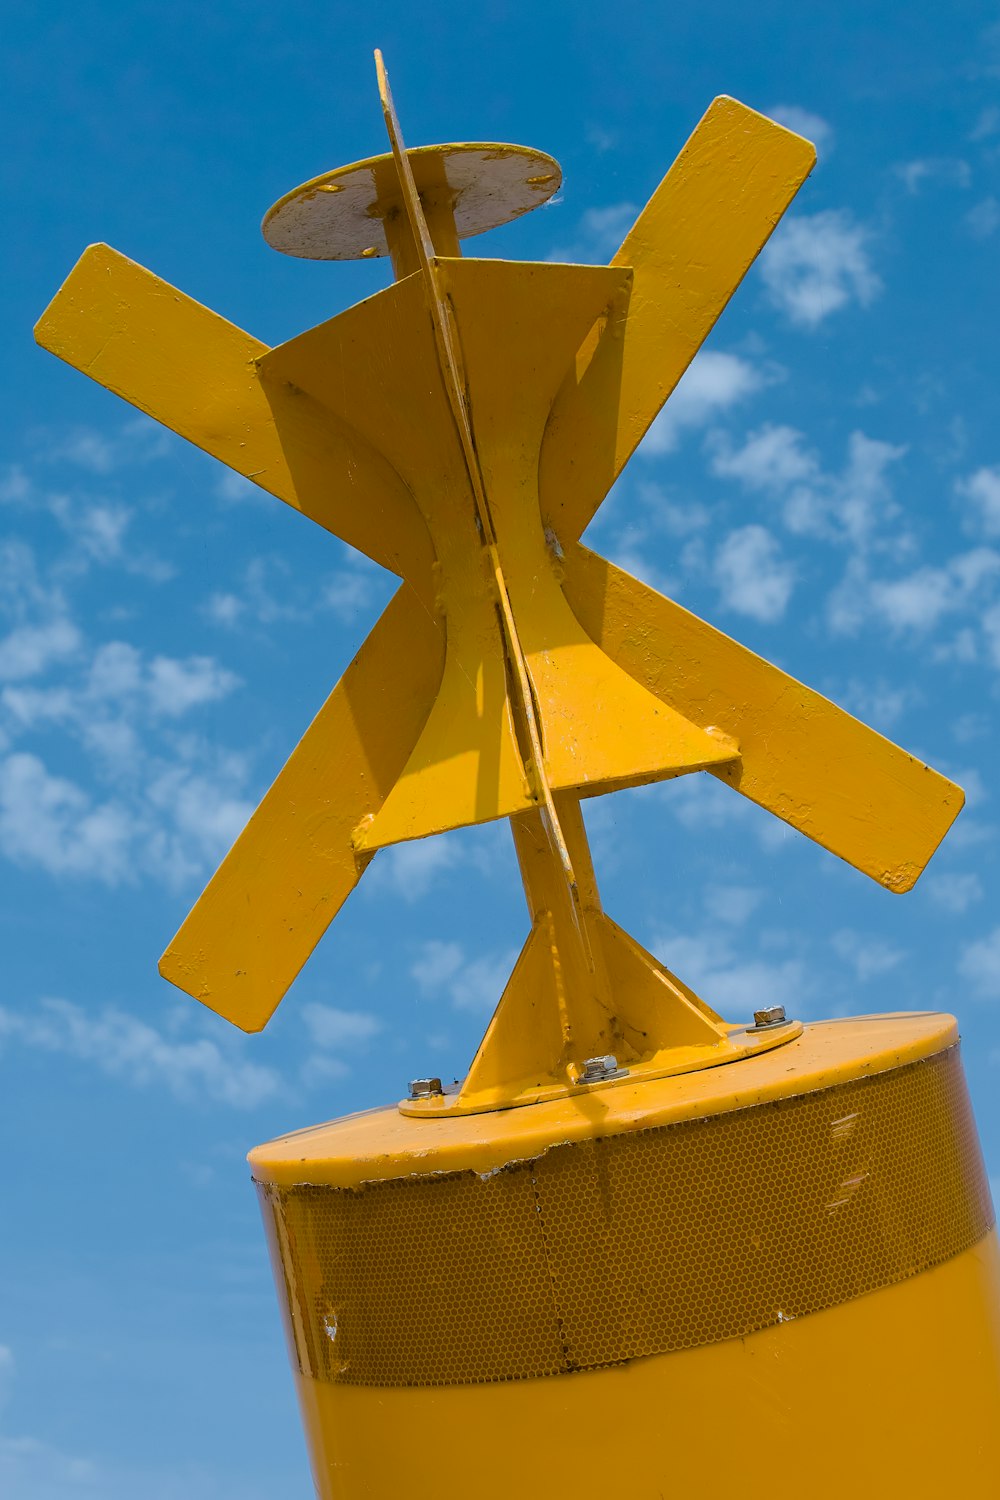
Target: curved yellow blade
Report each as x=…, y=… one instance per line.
x=293, y=866
x=197, y=374
x=801, y=757
x=689, y=250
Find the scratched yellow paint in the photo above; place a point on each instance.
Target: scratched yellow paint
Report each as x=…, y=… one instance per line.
x=461, y=428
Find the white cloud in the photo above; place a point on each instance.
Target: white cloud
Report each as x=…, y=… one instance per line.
x=982, y=491
x=442, y=968
x=713, y=383
x=772, y=459
x=917, y=602
x=123, y=1047
x=98, y=530
x=868, y=957
x=599, y=233
x=814, y=266
x=734, y=984
x=752, y=577
x=732, y=904
x=804, y=122
x=171, y=827
x=980, y=965
x=200, y=816
x=269, y=594
x=879, y=703
x=410, y=870
x=116, y=680
x=338, y=1029
x=983, y=219
x=847, y=506
x=953, y=892
x=437, y=965
x=174, y=687
x=943, y=171
x=30, y=649
x=50, y=822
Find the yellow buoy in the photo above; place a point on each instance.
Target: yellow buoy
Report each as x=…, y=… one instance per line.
x=640, y=1250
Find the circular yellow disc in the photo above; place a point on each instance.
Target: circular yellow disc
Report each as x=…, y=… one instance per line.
x=339, y=216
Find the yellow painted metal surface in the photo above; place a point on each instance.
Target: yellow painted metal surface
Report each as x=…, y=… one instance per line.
x=776, y=1266
x=293, y=866
x=197, y=374
x=461, y=427
x=801, y=757
x=382, y=1144
x=892, y=1396
x=689, y=250
x=629, y=1244
x=843, y=1223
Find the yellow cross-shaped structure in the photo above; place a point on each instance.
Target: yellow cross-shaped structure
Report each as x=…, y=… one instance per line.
x=461, y=428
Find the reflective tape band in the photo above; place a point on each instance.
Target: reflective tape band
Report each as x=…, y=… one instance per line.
x=633, y=1244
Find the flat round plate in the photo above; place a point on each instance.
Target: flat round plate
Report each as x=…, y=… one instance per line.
x=339, y=216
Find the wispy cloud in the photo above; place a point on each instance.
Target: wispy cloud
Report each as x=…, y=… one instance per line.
x=952, y=891
x=869, y=957
x=598, y=234
x=979, y=963
x=752, y=576
x=805, y=122
x=340, y=1029
x=917, y=602
x=936, y=171
x=981, y=493
x=846, y=506
x=734, y=981
x=713, y=384
x=983, y=219
x=123, y=1047
x=444, y=969
x=815, y=265
x=268, y=593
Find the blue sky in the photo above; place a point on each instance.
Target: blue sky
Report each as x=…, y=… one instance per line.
x=825, y=486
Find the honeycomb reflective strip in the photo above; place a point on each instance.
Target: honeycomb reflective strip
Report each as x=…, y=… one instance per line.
x=633, y=1244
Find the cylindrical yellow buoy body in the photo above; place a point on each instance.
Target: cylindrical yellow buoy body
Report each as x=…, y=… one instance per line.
x=779, y=1277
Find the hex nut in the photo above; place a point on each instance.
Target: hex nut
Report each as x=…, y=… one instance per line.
x=773, y=1015
x=425, y=1088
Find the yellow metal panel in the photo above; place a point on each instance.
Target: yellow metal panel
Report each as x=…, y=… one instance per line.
x=197, y=374
x=801, y=757
x=376, y=367
x=294, y=865
x=892, y=1396
x=638, y=1242
x=383, y=1143
x=689, y=250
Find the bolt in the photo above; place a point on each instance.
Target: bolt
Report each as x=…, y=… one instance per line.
x=425, y=1088
x=774, y=1015
x=599, y=1069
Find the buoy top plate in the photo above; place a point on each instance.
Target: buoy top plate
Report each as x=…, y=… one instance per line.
x=340, y=215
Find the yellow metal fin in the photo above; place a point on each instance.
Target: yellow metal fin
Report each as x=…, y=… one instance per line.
x=801, y=757
x=531, y=1046
x=689, y=250
x=197, y=374
x=292, y=868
